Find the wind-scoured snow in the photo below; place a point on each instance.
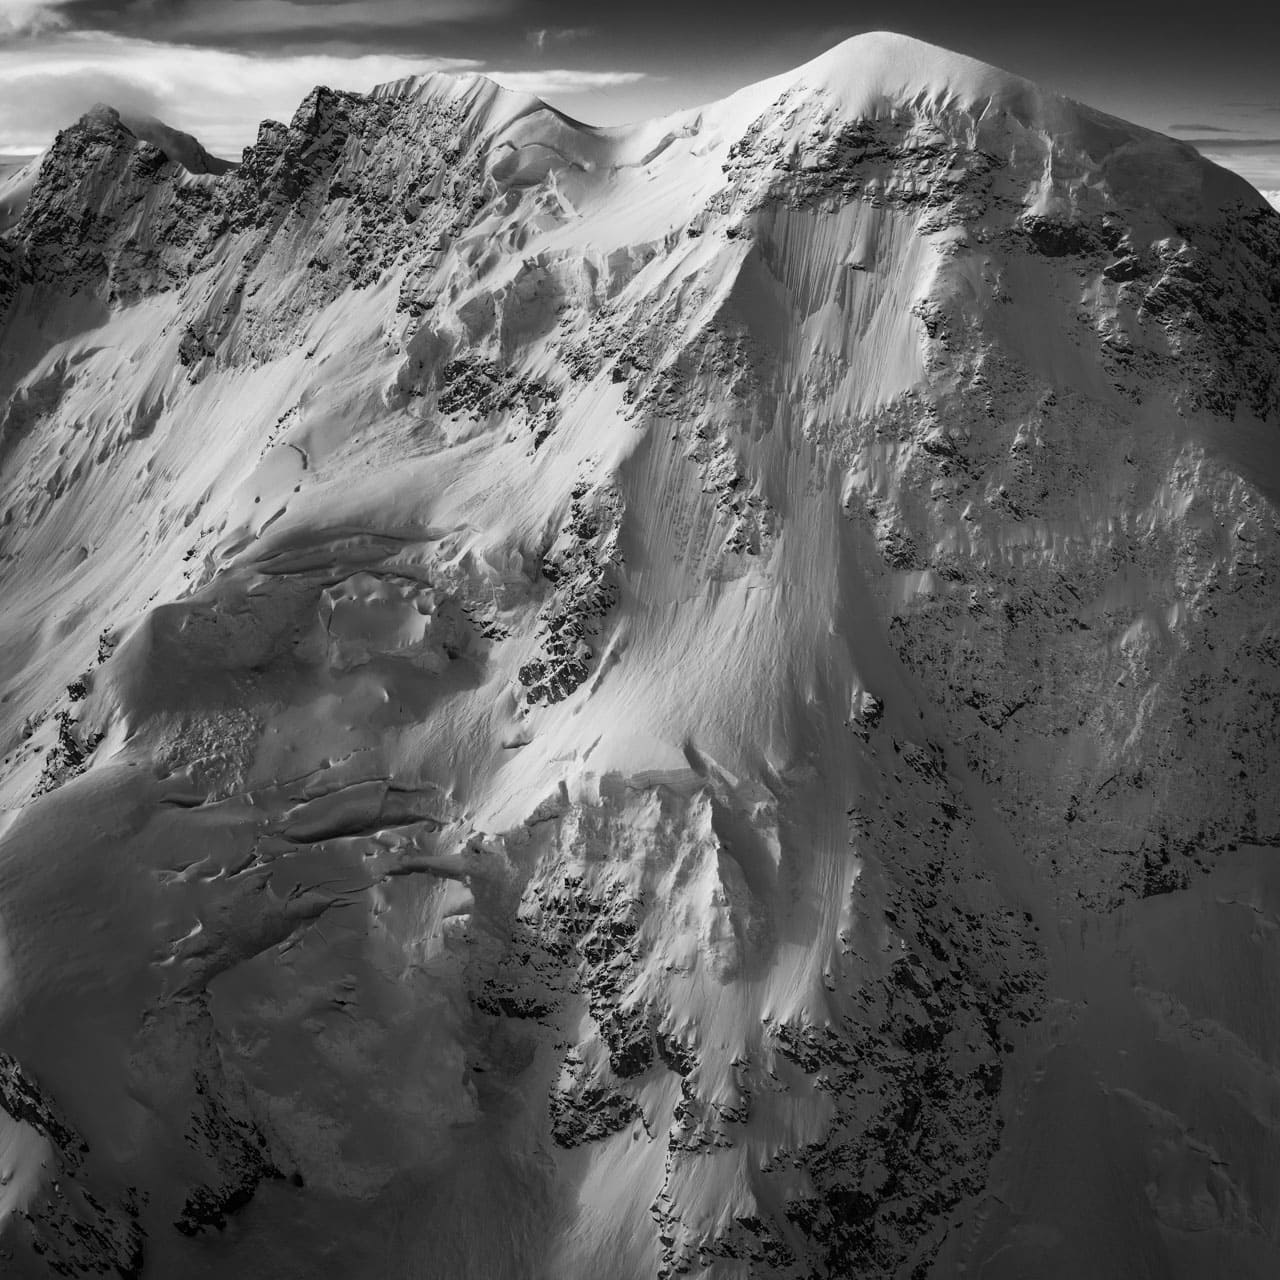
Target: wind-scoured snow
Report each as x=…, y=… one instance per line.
x=695, y=699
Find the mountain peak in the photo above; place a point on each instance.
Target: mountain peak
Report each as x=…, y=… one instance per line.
x=881, y=74
x=885, y=66
x=105, y=121
x=178, y=145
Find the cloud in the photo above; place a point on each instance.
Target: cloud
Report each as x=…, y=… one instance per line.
x=30, y=17
x=1234, y=144
x=1274, y=197
x=1200, y=128
x=35, y=106
x=220, y=96
x=259, y=27
x=289, y=18
x=564, y=80
x=540, y=37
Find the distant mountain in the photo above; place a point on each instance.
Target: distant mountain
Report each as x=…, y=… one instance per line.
x=697, y=699
x=175, y=144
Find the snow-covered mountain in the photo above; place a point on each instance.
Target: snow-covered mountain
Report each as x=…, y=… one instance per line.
x=697, y=699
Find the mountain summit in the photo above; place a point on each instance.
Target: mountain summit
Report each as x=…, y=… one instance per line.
x=696, y=699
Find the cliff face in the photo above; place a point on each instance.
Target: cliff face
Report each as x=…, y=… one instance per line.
x=697, y=699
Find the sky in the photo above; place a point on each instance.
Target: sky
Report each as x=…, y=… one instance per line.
x=1209, y=74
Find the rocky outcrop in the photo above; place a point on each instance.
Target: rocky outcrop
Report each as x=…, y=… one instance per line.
x=580, y=566
x=72, y=1232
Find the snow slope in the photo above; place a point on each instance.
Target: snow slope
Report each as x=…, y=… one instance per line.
x=16, y=182
x=692, y=699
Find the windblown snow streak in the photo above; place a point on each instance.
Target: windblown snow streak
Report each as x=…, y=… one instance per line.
x=698, y=699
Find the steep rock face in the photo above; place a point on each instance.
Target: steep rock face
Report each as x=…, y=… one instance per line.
x=711, y=685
